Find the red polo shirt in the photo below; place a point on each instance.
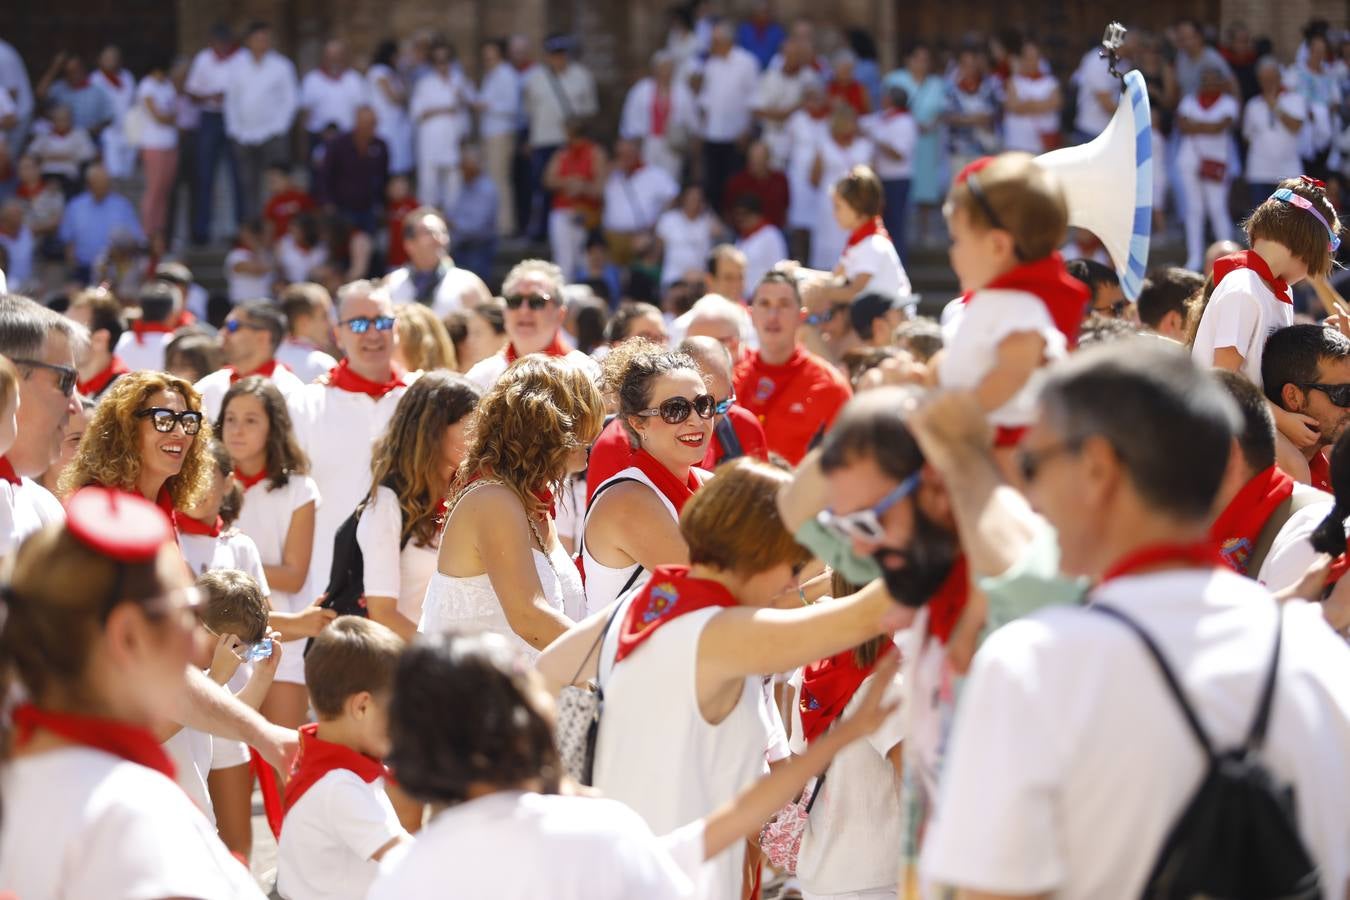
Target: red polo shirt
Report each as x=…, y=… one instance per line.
x=794, y=402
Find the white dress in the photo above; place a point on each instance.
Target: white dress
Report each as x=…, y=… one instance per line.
x=392, y=122
x=603, y=584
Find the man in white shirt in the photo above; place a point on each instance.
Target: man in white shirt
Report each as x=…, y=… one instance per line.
x=331, y=94
x=760, y=240
x=431, y=276
x=250, y=338
x=660, y=111
x=1271, y=124
x=728, y=86
x=498, y=113
x=141, y=346
x=1098, y=90
x=1058, y=699
x=260, y=103
x=535, y=310
x=309, y=330
x=635, y=197
x=556, y=91
x=14, y=81
x=779, y=94
x=207, y=80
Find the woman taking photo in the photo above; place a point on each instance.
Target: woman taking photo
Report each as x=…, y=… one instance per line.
x=401, y=517
x=674, y=754
x=98, y=630
x=500, y=566
x=632, y=522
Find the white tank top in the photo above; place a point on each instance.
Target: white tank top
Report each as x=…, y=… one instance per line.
x=656, y=752
x=603, y=584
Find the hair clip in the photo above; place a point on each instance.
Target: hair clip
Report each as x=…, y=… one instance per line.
x=1312, y=182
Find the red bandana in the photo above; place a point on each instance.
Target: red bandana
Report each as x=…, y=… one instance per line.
x=1320, y=469
x=319, y=757
x=1249, y=259
x=114, y=78
x=99, y=382
x=827, y=687
x=7, y=472
x=866, y=230
x=1064, y=296
x=164, y=500
x=267, y=370
x=130, y=742
x=669, y=594
x=747, y=235
x=248, y=481
x=945, y=606
x=676, y=491
x=141, y=328
x=1202, y=555
x=344, y=379
x=557, y=348
x=1238, y=527
x=1206, y=99
x=188, y=525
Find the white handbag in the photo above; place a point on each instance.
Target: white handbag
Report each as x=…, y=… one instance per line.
x=578, y=717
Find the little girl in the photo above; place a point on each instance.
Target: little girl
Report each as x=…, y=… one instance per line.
x=869, y=263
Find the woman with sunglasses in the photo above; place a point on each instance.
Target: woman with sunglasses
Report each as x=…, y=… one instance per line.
x=632, y=520
x=682, y=661
x=501, y=566
x=97, y=630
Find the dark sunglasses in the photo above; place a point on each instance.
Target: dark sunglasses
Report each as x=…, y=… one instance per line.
x=724, y=405
x=1339, y=394
x=536, y=301
x=165, y=420
x=234, y=325
x=66, y=377
x=677, y=409
x=361, y=324
x=1115, y=311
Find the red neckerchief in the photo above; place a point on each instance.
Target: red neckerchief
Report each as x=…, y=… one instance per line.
x=318, y=757
x=248, y=481
x=669, y=594
x=164, y=500
x=818, y=116
x=343, y=378
x=79, y=85
x=140, y=328
x=221, y=57
x=130, y=742
x=968, y=85
x=557, y=348
x=866, y=230
x=100, y=381
x=188, y=525
x=1207, y=99
x=1237, y=528
x=1250, y=259
x=1320, y=469
x=827, y=687
x=676, y=491
x=947, y=604
x=894, y=113
x=770, y=382
x=113, y=78
x=267, y=370
x=1201, y=555
x=1064, y=296
x=764, y=223
x=660, y=112
x=7, y=472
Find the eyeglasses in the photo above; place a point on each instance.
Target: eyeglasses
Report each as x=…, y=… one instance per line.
x=536, y=301
x=233, y=325
x=1339, y=394
x=189, y=610
x=865, y=524
x=165, y=420
x=1115, y=311
x=723, y=406
x=361, y=324
x=1030, y=462
x=249, y=652
x=66, y=377
x=678, y=409
x=827, y=316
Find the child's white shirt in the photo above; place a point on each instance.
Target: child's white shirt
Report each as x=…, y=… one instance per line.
x=875, y=256
x=1242, y=312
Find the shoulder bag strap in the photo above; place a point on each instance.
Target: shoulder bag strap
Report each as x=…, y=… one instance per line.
x=600, y=639
x=1258, y=733
x=581, y=541
x=731, y=443
x=559, y=92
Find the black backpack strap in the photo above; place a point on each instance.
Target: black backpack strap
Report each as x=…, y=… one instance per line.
x=1168, y=676
x=1258, y=733
x=726, y=436
x=581, y=540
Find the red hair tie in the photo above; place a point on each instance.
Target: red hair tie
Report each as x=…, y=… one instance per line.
x=1312, y=182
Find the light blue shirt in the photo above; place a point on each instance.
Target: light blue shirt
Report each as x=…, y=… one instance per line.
x=90, y=225
x=474, y=213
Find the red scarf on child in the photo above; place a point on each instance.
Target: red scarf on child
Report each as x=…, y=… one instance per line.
x=95, y=385
x=343, y=378
x=319, y=757
x=1249, y=259
x=866, y=230
x=676, y=491
x=827, y=687
x=669, y=594
x=556, y=348
x=130, y=742
x=188, y=525
x=1064, y=296
x=1239, y=526
x=267, y=370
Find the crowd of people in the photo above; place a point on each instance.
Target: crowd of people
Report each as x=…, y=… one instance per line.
x=573, y=590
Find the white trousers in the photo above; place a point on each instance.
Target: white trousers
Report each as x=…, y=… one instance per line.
x=1204, y=198
x=438, y=183
x=566, y=240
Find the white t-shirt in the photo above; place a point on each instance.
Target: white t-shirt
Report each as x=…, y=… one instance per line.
x=1242, y=313
x=230, y=550
x=972, y=341
x=296, y=262
x=243, y=286
x=1094, y=77
x=729, y=84
x=208, y=76
x=82, y=824
x=1291, y=554
x=143, y=352
x=1070, y=760
x=332, y=101
x=485, y=372
x=686, y=243
x=1272, y=149
x=1024, y=132
x=304, y=359
x=215, y=386
x=513, y=846
x=155, y=135
x=764, y=248
x=329, y=836
x=192, y=751
x=875, y=255
x=25, y=507
x=390, y=572
x=777, y=90
x=634, y=202
x=896, y=131
x=458, y=288
x=1199, y=147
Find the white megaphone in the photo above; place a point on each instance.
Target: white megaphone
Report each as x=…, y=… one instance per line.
x=1108, y=184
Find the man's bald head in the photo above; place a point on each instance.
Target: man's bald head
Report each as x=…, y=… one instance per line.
x=714, y=361
x=717, y=317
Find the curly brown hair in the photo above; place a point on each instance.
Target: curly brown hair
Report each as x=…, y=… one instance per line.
x=629, y=372
x=535, y=416
x=110, y=451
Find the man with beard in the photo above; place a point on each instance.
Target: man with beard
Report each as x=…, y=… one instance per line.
x=1308, y=372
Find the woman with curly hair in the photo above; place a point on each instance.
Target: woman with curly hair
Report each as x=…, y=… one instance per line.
x=501, y=567
x=148, y=436
x=401, y=518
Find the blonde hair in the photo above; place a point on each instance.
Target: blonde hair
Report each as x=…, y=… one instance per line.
x=110, y=451
x=1025, y=198
x=536, y=415
x=423, y=339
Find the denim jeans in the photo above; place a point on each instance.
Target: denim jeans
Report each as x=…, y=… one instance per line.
x=895, y=214
x=212, y=144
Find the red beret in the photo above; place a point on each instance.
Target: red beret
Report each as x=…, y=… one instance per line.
x=123, y=527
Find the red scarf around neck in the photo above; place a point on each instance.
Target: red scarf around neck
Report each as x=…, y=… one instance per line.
x=1207, y=99
x=1200, y=555
x=1250, y=259
x=8, y=473
x=130, y=742
x=267, y=370
x=99, y=382
x=827, y=687
x=1238, y=527
x=1320, y=469
x=556, y=349
x=669, y=594
x=318, y=757
x=140, y=328
x=945, y=606
x=188, y=525
x=248, y=481
x=1064, y=296
x=114, y=78
x=866, y=230
x=343, y=378
x=164, y=500
x=676, y=491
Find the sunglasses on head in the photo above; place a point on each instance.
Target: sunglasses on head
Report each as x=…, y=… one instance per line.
x=165, y=420
x=536, y=302
x=361, y=324
x=66, y=377
x=865, y=524
x=233, y=325
x=1338, y=394
x=678, y=409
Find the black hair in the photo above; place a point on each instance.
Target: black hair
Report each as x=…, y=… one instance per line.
x=1166, y=290
x=157, y=300
x=1097, y=330
x=872, y=426
x=233, y=500
x=268, y=314
x=1294, y=354
x=491, y=311
x=386, y=54
x=861, y=43
x=617, y=329
x=1329, y=536
x=592, y=330
x=254, y=27
x=1093, y=274
x=464, y=714
x=747, y=203
x=1257, y=439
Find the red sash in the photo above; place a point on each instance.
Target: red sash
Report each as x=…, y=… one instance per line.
x=1064, y=296
x=267, y=370
x=319, y=757
x=1201, y=555
x=130, y=742
x=1206, y=99
x=676, y=491
x=1237, y=528
x=141, y=328
x=827, y=687
x=1249, y=259
x=96, y=384
x=555, y=349
x=343, y=378
x=8, y=473
x=866, y=230
x=669, y=594
x=945, y=606
x=188, y=525
x=248, y=481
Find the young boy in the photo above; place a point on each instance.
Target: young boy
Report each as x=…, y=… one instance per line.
x=339, y=821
